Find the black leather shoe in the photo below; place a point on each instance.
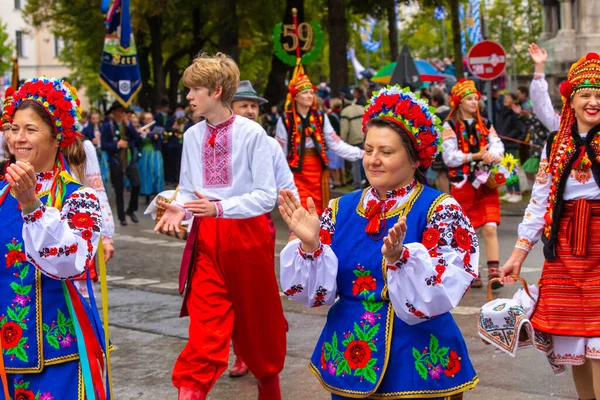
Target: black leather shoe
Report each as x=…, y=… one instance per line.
x=123, y=222
x=133, y=217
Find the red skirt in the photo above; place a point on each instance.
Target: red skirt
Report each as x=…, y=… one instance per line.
x=482, y=205
x=569, y=301
x=313, y=181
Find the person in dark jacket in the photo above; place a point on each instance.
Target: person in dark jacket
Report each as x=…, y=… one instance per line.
x=511, y=124
x=121, y=143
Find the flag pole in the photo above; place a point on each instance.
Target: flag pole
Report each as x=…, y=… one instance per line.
x=444, y=36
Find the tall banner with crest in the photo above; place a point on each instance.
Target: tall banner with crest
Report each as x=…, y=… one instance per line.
x=119, y=68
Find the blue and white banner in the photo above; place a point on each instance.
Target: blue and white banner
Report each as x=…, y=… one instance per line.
x=461, y=19
x=439, y=13
x=474, y=21
x=366, y=33
x=119, y=68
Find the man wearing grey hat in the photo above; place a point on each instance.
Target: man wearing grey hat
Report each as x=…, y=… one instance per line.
x=246, y=103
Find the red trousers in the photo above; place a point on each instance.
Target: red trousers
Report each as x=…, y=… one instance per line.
x=233, y=289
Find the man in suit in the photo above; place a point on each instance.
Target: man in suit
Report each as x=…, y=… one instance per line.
x=121, y=142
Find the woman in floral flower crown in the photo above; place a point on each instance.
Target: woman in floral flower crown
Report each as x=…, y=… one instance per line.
x=399, y=254
x=471, y=147
x=564, y=212
x=50, y=228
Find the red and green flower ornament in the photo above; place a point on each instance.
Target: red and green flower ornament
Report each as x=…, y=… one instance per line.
x=412, y=114
x=463, y=88
x=60, y=101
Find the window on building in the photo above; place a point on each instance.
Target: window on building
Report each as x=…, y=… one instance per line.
x=19, y=38
x=17, y=4
x=59, y=44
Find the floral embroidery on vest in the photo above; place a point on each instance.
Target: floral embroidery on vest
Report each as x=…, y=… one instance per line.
x=434, y=361
x=61, y=333
x=297, y=138
x=14, y=342
x=22, y=392
x=356, y=356
x=468, y=143
x=216, y=154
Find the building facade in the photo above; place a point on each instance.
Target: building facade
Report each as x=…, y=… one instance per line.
x=571, y=30
x=37, y=49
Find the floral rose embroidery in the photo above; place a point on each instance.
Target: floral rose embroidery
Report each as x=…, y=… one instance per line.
x=24, y=394
x=453, y=364
x=11, y=333
x=462, y=239
x=363, y=283
x=82, y=220
x=325, y=236
x=86, y=235
x=431, y=237
x=357, y=354
x=13, y=257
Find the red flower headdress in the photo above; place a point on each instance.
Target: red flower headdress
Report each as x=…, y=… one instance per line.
x=60, y=101
x=414, y=115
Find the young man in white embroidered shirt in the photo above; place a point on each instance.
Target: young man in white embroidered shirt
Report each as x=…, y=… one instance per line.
x=228, y=186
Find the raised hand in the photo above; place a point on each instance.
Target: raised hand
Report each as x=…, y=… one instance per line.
x=171, y=218
x=21, y=178
x=304, y=223
x=539, y=56
x=393, y=243
x=201, y=207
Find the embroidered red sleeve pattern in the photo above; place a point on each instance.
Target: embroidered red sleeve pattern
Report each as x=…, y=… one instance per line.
x=63, y=244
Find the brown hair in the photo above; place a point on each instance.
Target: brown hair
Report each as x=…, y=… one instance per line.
x=214, y=71
x=405, y=140
x=74, y=154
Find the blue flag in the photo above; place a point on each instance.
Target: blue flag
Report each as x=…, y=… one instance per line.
x=439, y=13
x=366, y=33
x=474, y=22
x=461, y=19
x=119, y=68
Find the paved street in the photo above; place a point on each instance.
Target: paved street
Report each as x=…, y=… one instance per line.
x=148, y=335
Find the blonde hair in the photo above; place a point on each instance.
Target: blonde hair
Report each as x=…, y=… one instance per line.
x=214, y=71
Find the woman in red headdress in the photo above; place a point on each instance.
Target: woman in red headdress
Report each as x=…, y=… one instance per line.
x=564, y=212
x=471, y=148
x=304, y=132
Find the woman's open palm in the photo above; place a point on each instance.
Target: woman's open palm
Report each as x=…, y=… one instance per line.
x=304, y=223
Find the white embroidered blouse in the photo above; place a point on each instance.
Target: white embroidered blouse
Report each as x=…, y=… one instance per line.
x=432, y=276
x=580, y=185
x=230, y=163
x=62, y=244
x=542, y=104
x=332, y=140
x=454, y=157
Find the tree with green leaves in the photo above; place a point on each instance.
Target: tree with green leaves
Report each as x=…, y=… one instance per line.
x=7, y=49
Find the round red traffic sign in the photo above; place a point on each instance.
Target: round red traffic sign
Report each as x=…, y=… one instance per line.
x=487, y=60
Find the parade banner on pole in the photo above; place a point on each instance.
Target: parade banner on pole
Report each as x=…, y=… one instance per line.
x=439, y=13
x=119, y=69
x=461, y=19
x=474, y=21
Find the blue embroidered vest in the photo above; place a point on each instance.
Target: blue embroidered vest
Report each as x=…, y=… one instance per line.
x=36, y=327
x=364, y=349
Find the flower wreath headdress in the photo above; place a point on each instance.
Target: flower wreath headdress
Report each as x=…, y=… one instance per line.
x=60, y=101
x=411, y=113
